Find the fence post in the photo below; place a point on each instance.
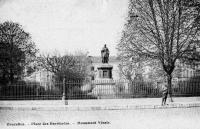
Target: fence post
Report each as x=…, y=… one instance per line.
x=63, y=96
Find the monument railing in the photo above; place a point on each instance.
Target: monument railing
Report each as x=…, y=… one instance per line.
x=102, y=89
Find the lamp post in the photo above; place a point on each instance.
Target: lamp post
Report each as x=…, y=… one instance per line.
x=63, y=95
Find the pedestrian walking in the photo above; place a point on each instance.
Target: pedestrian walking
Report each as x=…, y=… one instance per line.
x=164, y=93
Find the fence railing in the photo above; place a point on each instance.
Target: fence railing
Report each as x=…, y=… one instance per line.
x=93, y=90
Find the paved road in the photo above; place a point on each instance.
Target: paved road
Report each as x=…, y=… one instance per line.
x=172, y=118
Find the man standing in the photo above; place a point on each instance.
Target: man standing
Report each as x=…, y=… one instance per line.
x=164, y=93
x=105, y=54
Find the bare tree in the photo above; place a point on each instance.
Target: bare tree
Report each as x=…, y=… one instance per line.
x=161, y=30
x=131, y=70
x=68, y=66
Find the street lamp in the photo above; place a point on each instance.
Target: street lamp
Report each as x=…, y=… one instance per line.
x=63, y=95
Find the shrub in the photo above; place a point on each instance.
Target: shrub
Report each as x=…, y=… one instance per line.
x=122, y=90
x=18, y=92
x=144, y=89
x=189, y=87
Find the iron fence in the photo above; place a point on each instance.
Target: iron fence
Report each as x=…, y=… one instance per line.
x=101, y=89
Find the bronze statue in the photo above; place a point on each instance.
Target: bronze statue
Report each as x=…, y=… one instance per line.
x=105, y=54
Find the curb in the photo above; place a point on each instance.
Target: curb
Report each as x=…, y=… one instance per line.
x=96, y=108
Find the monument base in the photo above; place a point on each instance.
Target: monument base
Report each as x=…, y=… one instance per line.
x=104, y=84
x=104, y=72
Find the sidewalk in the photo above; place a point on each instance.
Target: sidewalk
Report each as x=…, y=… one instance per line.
x=100, y=104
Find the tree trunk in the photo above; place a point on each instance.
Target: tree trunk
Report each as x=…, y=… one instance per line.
x=4, y=80
x=11, y=76
x=169, y=82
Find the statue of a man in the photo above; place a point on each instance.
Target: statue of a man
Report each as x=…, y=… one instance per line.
x=105, y=54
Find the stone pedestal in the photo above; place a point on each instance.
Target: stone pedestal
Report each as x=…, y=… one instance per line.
x=104, y=83
x=105, y=71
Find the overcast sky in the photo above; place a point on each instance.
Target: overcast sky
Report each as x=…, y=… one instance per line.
x=69, y=25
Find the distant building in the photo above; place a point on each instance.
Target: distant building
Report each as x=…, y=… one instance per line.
x=46, y=78
x=186, y=71
x=43, y=77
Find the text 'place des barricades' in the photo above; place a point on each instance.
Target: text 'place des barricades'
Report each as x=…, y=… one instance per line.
x=103, y=89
